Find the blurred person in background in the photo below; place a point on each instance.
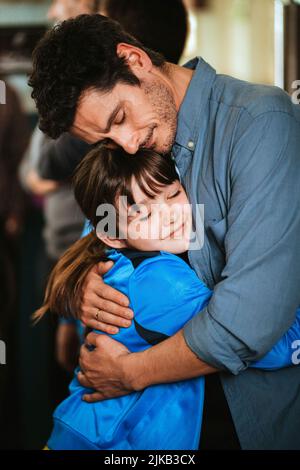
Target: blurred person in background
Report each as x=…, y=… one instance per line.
x=14, y=137
x=62, y=217
x=63, y=224
x=53, y=222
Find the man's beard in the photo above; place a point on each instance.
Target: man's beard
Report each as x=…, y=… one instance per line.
x=163, y=103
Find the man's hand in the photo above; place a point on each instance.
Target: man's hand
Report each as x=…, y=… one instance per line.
x=104, y=368
x=101, y=301
x=113, y=371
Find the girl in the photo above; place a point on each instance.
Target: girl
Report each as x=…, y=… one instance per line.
x=151, y=236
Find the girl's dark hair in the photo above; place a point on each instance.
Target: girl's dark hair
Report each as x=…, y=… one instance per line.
x=74, y=56
x=101, y=177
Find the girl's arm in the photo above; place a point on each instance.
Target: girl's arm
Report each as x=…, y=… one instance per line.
x=286, y=351
x=167, y=293
x=164, y=294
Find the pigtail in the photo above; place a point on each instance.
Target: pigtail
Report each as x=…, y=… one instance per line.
x=64, y=288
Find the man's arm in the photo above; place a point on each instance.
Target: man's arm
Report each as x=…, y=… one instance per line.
x=169, y=361
x=113, y=371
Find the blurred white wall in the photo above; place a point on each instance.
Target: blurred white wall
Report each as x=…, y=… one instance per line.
x=236, y=37
x=17, y=12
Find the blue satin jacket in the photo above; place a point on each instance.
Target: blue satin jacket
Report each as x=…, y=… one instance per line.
x=164, y=294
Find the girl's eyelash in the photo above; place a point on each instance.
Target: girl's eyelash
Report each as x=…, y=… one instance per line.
x=174, y=195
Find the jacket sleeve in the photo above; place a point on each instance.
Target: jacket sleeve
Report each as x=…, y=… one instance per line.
x=255, y=302
x=283, y=354
x=165, y=293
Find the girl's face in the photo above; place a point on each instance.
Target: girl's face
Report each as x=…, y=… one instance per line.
x=163, y=222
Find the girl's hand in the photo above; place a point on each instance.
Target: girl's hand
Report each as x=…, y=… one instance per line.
x=104, y=308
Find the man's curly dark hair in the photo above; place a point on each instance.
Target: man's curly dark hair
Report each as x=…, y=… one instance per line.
x=77, y=55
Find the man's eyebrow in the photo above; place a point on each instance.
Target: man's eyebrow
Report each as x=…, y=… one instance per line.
x=111, y=118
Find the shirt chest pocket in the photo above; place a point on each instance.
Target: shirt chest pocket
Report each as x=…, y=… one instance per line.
x=215, y=232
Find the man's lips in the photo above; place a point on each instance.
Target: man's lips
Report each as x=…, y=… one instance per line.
x=148, y=143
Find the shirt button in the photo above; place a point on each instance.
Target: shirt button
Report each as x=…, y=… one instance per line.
x=191, y=145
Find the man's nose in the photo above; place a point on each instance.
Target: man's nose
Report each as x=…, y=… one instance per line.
x=172, y=216
x=129, y=143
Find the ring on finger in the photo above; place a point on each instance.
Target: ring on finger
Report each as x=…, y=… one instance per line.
x=97, y=315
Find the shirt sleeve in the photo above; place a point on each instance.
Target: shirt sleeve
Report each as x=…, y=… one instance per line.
x=255, y=302
x=86, y=229
x=165, y=293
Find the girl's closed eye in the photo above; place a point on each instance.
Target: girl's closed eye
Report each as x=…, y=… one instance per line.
x=174, y=195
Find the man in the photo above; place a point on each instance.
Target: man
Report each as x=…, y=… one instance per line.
x=236, y=146
x=149, y=22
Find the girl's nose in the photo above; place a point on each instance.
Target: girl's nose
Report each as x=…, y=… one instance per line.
x=168, y=216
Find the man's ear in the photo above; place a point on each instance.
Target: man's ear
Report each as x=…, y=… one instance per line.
x=112, y=242
x=135, y=57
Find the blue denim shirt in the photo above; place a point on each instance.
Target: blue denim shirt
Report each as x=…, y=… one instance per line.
x=237, y=149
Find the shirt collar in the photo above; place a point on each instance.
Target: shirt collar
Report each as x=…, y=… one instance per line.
x=194, y=102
